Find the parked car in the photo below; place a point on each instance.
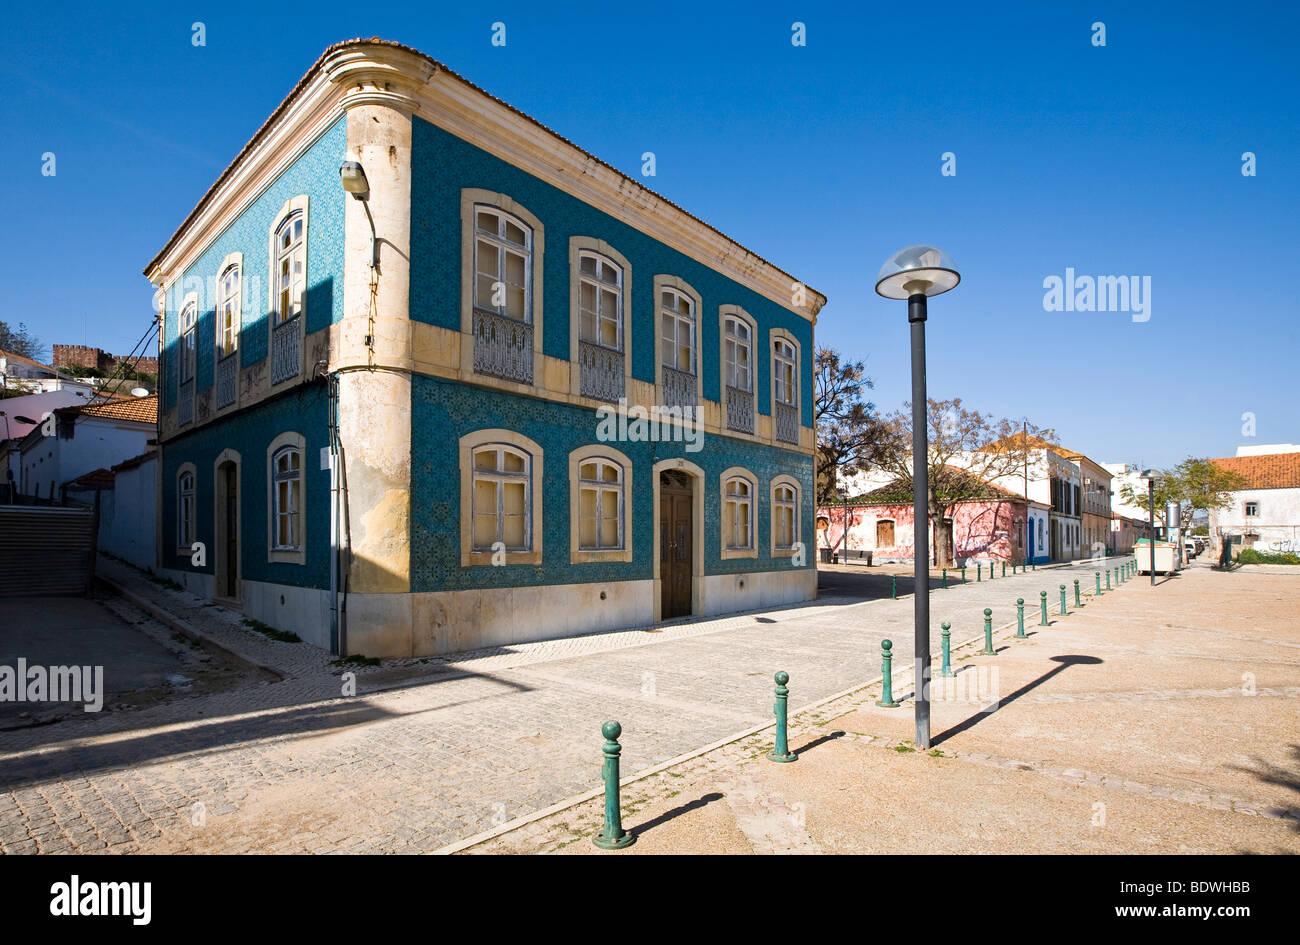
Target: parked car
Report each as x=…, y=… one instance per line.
x=1189, y=546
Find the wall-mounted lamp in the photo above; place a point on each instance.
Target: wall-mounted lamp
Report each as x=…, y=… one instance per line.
x=353, y=177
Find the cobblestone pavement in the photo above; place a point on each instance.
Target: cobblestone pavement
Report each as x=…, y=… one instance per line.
x=429, y=752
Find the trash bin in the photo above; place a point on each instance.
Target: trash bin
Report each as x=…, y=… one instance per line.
x=826, y=555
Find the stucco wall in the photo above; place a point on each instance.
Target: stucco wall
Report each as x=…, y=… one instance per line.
x=128, y=513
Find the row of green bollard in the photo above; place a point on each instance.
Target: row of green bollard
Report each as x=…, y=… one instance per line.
x=614, y=837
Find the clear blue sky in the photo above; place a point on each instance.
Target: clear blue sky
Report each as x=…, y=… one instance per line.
x=1123, y=160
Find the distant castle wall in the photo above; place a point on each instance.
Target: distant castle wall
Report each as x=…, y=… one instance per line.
x=81, y=356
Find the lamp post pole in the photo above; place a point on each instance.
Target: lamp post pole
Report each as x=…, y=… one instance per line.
x=1151, y=525
x=916, y=314
x=915, y=274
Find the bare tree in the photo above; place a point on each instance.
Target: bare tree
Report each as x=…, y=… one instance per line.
x=967, y=451
x=850, y=434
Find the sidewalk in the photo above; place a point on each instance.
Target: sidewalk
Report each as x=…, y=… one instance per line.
x=1155, y=720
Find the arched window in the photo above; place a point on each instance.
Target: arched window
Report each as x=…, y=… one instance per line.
x=677, y=330
x=286, y=499
x=785, y=516
x=290, y=267
x=189, y=317
x=738, y=354
x=503, y=260
x=184, y=510
x=228, y=310
x=502, y=498
x=784, y=372
x=600, y=505
x=600, y=300
x=738, y=514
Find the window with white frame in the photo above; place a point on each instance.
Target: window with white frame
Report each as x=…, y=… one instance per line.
x=290, y=267
x=228, y=308
x=502, y=498
x=503, y=260
x=737, y=354
x=784, y=371
x=785, y=516
x=600, y=505
x=185, y=510
x=738, y=514
x=286, y=499
x=1252, y=509
x=600, y=300
x=189, y=317
x=677, y=330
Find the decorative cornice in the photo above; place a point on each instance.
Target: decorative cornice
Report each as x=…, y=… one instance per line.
x=373, y=71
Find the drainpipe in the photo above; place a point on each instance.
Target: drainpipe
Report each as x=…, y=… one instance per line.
x=337, y=630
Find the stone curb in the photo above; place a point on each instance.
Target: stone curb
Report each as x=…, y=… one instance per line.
x=187, y=630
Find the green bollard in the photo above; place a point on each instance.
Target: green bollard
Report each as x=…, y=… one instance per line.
x=781, y=751
x=613, y=836
x=1043, y=600
x=945, y=579
x=1063, y=610
x=963, y=574
x=1020, y=616
x=1078, y=601
x=1108, y=579
x=979, y=572
x=946, y=670
x=1123, y=577
x=887, y=682
x=1004, y=569
x=893, y=587
x=988, y=632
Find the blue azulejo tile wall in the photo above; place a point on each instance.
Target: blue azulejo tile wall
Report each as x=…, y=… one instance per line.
x=442, y=164
x=302, y=410
x=315, y=174
x=444, y=411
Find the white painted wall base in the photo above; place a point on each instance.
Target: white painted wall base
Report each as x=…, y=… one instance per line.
x=399, y=626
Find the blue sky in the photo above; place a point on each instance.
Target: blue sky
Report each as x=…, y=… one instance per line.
x=1122, y=160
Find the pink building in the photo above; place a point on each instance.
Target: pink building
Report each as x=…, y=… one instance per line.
x=990, y=528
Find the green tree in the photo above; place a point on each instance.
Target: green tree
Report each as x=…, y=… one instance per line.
x=20, y=341
x=850, y=434
x=1193, y=484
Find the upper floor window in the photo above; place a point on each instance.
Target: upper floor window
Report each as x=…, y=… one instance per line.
x=737, y=351
x=1252, y=508
x=600, y=505
x=189, y=316
x=738, y=514
x=784, y=372
x=503, y=259
x=502, y=498
x=600, y=301
x=290, y=267
x=228, y=308
x=184, y=511
x=286, y=496
x=677, y=330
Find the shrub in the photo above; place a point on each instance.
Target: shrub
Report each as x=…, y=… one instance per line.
x=1251, y=556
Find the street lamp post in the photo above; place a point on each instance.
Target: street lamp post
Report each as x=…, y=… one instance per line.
x=1151, y=476
x=915, y=274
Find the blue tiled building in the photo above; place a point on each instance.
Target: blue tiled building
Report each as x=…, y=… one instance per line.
x=434, y=379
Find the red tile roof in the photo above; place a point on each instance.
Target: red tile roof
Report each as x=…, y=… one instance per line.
x=1271, y=471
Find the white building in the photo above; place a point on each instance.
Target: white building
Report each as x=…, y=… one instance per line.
x=20, y=373
x=73, y=441
x=128, y=512
x=1265, y=514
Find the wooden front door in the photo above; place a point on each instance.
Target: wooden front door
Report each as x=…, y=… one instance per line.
x=676, y=520
x=229, y=570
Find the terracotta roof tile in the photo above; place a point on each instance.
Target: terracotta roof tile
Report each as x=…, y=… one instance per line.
x=1271, y=471
x=134, y=409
